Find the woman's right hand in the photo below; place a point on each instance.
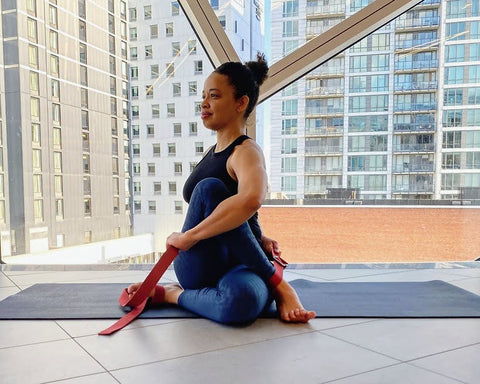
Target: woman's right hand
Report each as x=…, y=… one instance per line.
x=181, y=241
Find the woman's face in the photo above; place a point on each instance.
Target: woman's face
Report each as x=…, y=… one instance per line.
x=219, y=106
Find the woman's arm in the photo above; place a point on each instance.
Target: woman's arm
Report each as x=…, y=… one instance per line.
x=247, y=165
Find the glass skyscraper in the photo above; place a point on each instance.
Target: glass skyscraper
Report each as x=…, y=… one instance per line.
x=395, y=116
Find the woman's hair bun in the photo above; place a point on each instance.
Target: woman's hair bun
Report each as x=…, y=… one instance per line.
x=259, y=68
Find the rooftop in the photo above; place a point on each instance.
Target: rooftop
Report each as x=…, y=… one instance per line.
x=327, y=350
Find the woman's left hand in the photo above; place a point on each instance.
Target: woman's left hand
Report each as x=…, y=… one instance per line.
x=181, y=241
x=271, y=246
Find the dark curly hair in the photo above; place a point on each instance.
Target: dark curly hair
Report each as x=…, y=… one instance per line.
x=246, y=78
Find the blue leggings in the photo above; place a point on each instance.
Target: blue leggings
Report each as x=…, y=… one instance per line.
x=224, y=277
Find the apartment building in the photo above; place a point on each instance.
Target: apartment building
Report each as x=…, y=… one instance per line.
x=64, y=144
x=395, y=116
x=167, y=71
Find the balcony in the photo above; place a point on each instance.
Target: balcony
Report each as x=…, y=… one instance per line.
x=414, y=188
x=323, y=150
x=423, y=23
x=411, y=127
x=320, y=10
x=324, y=131
x=413, y=168
x=428, y=147
x=416, y=65
x=408, y=107
x=416, y=86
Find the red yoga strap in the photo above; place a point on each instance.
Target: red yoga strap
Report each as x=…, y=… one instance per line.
x=139, y=299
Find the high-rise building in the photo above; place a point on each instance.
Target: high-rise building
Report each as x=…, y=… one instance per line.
x=168, y=68
x=395, y=116
x=64, y=124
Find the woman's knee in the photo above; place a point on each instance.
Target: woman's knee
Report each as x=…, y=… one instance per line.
x=211, y=186
x=243, y=301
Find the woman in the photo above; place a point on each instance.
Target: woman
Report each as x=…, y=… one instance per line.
x=222, y=267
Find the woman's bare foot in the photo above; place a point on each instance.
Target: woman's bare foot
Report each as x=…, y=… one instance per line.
x=289, y=306
x=172, y=292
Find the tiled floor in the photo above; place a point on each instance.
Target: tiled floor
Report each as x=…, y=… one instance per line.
x=183, y=351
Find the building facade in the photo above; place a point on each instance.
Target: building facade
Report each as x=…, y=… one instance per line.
x=396, y=116
x=168, y=68
x=64, y=131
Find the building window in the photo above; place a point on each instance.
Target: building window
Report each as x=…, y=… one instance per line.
x=170, y=70
x=155, y=111
x=157, y=188
x=133, y=53
x=147, y=12
x=175, y=8
x=192, y=129
x=34, y=82
x=136, y=150
x=151, y=169
x=54, y=65
x=52, y=16
x=137, y=206
x=87, y=236
x=32, y=56
x=32, y=30
x=177, y=129
x=192, y=47
x=82, y=30
x=133, y=33
x=198, y=107
x=156, y=149
x=134, y=73
x=148, y=52
x=199, y=148
x=153, y=31
x=198, y=67
x=178, y=206
x=154, y=71
x=37, y=160
x=192, y=88
x=170, y=110
x=223, y=21
x=87, y=208
x=171, y=149
x=132, y=14
x=175, y=48
x=172, y=188
x=177, y=169
x=152, y=206
x=38, y=210
x=36, y=134
x=149, y=91
x=177, y=89
x=150, y=130
x=168, y=29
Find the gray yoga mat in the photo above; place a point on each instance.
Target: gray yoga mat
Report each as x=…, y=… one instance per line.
x=328, y=299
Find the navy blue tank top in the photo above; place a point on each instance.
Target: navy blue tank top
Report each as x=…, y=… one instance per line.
x=215, y=165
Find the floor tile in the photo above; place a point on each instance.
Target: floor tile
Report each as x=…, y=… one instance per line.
x=39, y=363
x=307, y=358
x=5, y=281
x=19, y=332
x=144, y=345
x=462, y=363
x=397, y=374
x=79, y=328
x=101, y=378
x=8, y=291
x=407, y=339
